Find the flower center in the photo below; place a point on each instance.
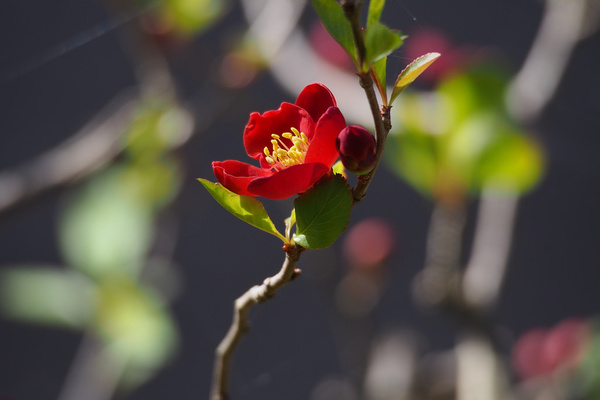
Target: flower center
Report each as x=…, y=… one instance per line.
x=283, y=156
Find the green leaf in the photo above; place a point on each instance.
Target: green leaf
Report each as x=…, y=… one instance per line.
x=488, y=150
x=335, y=22
x=378, y=72
x=412, y=156
x=246, y=208
x=513, y=163
x=479, y=89
x=380, y=41
x=45, y=295
x=136, y=327
x=375, y=9
x=106, y=229
x=323, y=213
x=192, y=16
x=154, y=182
x=411, y=72
x=413, y=151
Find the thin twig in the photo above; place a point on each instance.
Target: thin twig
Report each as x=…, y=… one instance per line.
x=240, y=323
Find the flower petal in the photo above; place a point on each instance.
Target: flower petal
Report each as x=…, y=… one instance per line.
x=322, y=147
x=316, y=99
x=236, y=175
x=288, y=182
x=257, y=134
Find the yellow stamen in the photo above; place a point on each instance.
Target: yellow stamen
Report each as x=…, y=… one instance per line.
x=283, y=156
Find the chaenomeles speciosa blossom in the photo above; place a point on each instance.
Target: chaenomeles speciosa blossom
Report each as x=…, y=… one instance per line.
x=294, y=145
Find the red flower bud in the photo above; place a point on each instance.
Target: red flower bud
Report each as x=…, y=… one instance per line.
x=357, y=148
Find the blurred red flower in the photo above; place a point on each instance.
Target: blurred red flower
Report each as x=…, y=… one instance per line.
x=540, y=352
x=369, y=243
x=295, y=146
x=454, y=58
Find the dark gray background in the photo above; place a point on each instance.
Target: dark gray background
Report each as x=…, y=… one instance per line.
x=553, y=272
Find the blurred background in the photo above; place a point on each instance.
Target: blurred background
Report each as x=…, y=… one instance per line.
x=118, y=270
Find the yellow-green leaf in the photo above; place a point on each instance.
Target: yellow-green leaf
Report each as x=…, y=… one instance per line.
x=411, y=72
x=246, y=208
x=514, y=163
x=46, y=295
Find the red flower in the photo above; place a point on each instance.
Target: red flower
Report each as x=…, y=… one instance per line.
x=295, y=146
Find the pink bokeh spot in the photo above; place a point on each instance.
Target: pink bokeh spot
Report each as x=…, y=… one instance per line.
x=369, y=243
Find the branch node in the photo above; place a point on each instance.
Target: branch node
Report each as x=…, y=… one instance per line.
x=296, y=274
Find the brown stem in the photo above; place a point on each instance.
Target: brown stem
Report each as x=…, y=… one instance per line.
x=240, y=323
x=381, y=118
x=352, y=11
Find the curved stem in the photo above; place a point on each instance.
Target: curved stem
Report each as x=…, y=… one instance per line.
x=240, y=323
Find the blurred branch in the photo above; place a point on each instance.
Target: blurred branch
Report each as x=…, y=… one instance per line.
x=93, y=146
x=479, y=375
x=564, y=23
x=92, y=376
x=240, y=324
x=437, y=282
x=478, y=371
x=99, y=141
x=485, y=271
x=271, y=23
